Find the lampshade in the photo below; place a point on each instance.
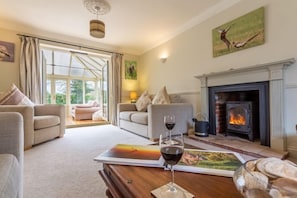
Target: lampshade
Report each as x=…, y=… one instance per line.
x=98, y=7
x=97, y=28
x=133, y=96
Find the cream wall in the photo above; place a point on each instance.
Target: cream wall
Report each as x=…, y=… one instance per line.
x=9, y=71
x=190, y=54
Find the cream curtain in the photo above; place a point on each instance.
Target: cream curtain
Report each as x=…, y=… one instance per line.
x=30, y=76
x=116, y=85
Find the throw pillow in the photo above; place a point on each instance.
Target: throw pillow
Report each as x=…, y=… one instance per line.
x=143, y=101
x=14, y=96
x=161, y=97
x=175, y=98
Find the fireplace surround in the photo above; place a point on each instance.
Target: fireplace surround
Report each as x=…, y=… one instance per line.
x=273, y=73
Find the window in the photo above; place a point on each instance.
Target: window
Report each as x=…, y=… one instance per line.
x=74, y=77
x=76, y=87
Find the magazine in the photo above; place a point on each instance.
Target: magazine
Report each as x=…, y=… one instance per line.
x=221, y=163
x=136, y=155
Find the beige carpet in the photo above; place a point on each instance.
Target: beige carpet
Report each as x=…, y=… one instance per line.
x=65, y=167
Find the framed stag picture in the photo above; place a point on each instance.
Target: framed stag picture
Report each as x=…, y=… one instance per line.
x=239, y=34
x=6, y=51
x=130, y=70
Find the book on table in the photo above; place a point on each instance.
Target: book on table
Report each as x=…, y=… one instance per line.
x=221, y=163
x=136, y=155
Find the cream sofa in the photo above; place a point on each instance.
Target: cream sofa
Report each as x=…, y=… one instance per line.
x=41, y=122
x=11, y=154
x=150, y=124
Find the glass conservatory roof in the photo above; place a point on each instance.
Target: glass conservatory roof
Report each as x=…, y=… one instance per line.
x=74, y=64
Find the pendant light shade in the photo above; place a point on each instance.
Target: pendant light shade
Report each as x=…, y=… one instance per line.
x=97, y=28
x=98, y=7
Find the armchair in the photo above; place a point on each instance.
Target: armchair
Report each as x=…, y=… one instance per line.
x=41, y=122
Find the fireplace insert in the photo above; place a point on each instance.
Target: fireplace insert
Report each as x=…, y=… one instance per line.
x=239, y=118
x=258, y=120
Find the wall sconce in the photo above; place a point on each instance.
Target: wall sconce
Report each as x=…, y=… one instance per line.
x=163, y=60
x=133, y=96
x=164, y=56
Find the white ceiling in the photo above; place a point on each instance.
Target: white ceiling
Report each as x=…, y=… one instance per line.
x=132, y=26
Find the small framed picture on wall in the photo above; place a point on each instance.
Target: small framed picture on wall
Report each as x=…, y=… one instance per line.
x=6, y=51
x=130, y=70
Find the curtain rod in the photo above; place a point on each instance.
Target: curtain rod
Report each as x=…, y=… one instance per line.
x=70, y=44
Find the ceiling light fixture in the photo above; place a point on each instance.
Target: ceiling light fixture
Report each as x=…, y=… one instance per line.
x=98, y=7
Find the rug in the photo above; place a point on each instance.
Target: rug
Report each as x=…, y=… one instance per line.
x=64, y=167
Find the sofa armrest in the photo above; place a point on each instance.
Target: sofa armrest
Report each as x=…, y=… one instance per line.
x=126, y=107
x=27, y=112
x=12, y=140
x=52, y=109
x=12, y=134
x=183, y=118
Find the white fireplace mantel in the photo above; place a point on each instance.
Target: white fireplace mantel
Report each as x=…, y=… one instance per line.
x=273, y=73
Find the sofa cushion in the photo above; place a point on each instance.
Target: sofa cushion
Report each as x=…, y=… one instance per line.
x=140, y=117
x=161, y=97
x=10, y=176
x=41, y=122
x=143, y=101
x=13, y=96
x=126, y=115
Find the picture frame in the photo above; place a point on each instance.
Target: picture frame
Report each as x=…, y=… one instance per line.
x=241, y=33
x=130, y=70
x=6, y=51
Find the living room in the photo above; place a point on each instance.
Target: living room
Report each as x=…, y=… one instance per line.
x=189, y=54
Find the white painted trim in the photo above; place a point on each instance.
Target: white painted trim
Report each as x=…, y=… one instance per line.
x=291, y=86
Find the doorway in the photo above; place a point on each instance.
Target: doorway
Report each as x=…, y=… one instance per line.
x=72, y=77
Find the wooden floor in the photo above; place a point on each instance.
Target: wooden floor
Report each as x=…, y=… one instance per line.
x=71, y=123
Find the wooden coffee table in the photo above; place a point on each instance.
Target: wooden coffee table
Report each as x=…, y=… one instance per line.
x=132, y=181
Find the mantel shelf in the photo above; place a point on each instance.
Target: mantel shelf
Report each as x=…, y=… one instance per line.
x=286, y=62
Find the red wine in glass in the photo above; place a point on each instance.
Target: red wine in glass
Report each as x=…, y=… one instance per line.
x=172, y=154
x=169, y=125
x=169, y=121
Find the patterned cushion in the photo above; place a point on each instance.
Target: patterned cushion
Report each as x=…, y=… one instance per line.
x=143, y=101
x=161, y=97
x=14, y=96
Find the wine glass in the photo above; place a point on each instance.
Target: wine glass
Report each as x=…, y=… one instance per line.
x=172, y=152
x=169, y=121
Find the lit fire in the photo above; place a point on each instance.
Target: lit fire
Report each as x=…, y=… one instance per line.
x=237, y=119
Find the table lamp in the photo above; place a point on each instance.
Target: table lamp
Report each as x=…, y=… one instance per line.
x=133, y=96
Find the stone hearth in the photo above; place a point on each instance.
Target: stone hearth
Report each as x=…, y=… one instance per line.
x=236, y=144
x=270, y=72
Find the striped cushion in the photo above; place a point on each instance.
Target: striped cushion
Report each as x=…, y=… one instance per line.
x=14, y=96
